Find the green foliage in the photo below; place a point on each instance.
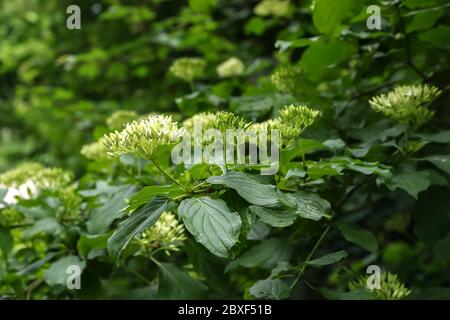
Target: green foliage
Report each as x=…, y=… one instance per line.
x=92, y=116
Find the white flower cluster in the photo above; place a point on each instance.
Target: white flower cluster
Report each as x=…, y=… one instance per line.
x=143, y=137
x=230, y=68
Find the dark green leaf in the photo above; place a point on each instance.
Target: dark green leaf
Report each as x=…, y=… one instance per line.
x=265, y=255
x=359, y=236
x=176, y=284
x=143, y=218
x=327, y=259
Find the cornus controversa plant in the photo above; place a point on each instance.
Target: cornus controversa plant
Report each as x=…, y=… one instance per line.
x=225, y=150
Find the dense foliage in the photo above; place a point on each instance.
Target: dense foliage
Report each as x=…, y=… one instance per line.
x=90, y=117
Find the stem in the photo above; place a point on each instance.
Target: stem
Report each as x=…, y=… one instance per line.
x=310, y=255
x=167, y=174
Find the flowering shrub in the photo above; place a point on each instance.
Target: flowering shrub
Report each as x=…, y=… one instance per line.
x=315, y=150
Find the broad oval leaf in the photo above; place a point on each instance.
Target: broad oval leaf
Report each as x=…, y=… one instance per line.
x=310, y=205
x=212, y=223
x=249, y=187
x=57, y=273
x=144, y=217
x=359, y=236
x=274, y=217
x=270, y=289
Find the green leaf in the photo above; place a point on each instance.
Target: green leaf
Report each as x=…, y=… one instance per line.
x=148, y=193
x=432, y=215
x=303, y=147
x=275, y=217
x=202, y=6
x=439, y=36
x=265, y=255
x=212, y=223
x=440, y=161
x=6, y=240
x=88, y=242
x=248, y=187
x=359, y=236
x=43, y=226
x=439, y=137
x=413, y=182
x=424, y=20
x=310, y=205
x=143, y=218
x=328, y=15
x=270, y=289
x=57, y=274
x=102, y=217
x=441, y=249
x=320, y=57
x=327, y=259
x=358, y=294
x=175, y=284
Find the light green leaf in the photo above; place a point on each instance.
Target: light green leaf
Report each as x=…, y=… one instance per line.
x=310, y=205
x=270, y=289
x=248, y=187
x=439, y=36
x=57, y=274
x=176, y=284
x=327, y=259
x=359, y=236
x=143, y=218
x=43, y=226
x=320, y=57
x=265, y=255
x=424, y=20
x=274, y=217
x=303, y=147
x=88, y=242
x=212, y=223
x=328, y=15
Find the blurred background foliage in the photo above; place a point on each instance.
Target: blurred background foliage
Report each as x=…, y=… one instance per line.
x=58, y=87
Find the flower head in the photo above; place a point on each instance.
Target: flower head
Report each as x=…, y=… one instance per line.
x=167, y=233
x=94, y=151
x=284, y=79
x=390, y=287
x=43, y=178
x=407, y=104
x=276, y=8
x=221, y=121
x=119, y=118
x=230, y=68
x=27, y=180
x=143, y=137
x=293, y=120
x=187, y=69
